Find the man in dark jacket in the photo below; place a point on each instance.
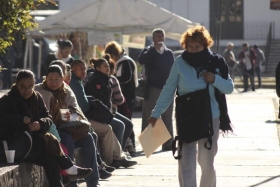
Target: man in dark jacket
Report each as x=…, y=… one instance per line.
x=248, y=56
x=258, y=66
x=158, y=61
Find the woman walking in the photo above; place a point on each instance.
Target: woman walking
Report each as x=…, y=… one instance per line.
x=192, y=71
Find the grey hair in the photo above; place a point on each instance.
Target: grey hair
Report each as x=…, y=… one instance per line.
x=230, y=44
x=158, y=30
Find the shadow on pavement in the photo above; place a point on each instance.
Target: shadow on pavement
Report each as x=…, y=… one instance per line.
x=273, y=121
x=265, y=181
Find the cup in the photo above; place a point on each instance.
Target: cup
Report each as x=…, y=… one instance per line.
x=63, y=112
x=10, y=155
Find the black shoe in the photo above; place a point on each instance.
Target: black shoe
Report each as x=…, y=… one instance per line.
x=131, y=150
x=123, y=163
x=82, y=173
x=244, y=91
x=169, y=148
x=103, y=174
x=104, y=166
x=65, y=179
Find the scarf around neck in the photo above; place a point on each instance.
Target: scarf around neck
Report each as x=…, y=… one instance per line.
x=199, y=59
x=56, y=103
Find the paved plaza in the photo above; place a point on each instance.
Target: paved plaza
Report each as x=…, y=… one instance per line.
x=249, y=157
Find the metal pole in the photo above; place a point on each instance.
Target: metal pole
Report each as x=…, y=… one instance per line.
x=26, y=52
x=39, y=60
x=30, y=54
x=218, y=26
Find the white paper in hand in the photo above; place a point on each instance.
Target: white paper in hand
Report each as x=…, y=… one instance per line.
x=153, y=137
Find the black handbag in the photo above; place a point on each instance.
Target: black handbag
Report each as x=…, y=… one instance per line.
x=99, y=111
x=194, y=118
x=22, y=147
x=142, y=90
x=77, y=129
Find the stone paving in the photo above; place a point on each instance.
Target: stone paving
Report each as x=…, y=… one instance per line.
x=249, y=157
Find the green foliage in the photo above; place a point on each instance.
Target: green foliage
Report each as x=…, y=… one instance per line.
x=1, y=68
x=15, y=18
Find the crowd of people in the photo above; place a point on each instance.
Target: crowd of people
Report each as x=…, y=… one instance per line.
x=33, y=111
x=36, y=110
x=251, y=60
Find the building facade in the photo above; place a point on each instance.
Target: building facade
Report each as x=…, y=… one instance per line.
x=227, y=20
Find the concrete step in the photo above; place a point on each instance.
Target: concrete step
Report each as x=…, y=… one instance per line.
x=267, y=82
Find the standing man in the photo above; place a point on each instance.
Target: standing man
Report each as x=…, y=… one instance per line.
x=248, y=57
x=158, y=60
x=258, y=66
x=229, y=56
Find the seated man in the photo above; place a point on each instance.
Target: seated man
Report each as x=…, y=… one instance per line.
x=111, y=150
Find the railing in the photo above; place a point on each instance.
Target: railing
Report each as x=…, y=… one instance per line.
x=257, y=29
x=268, y=42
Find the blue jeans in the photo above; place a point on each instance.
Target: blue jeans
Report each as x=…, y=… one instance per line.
x=128, y=128
x=67, y=141
x=258, y=72
x=89, y=158
x=88, y=153
x=118, y=128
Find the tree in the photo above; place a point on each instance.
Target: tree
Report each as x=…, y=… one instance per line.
x=15, y=19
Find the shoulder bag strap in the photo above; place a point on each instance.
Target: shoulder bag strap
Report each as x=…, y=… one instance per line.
x=208, y=143
x=6, y=148
x=31, y=143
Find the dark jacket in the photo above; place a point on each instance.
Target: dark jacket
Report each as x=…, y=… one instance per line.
x=253, y=56
x=13, y=108
x=126, y=79
x=157, y=65
x=99, y=87
x=219, y=62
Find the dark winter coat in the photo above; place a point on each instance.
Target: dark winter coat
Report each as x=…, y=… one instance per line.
x=99, y=87
x=13, y=108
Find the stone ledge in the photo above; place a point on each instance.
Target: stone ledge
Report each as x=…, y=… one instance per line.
x=22, y=175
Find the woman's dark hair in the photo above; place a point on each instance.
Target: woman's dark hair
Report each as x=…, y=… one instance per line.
x=58, y=62
x=61, y=64
x=76, y=62
x=96, y=62
x=24, y=74
x=64, y=44
x=55, y=68
x=110, y=61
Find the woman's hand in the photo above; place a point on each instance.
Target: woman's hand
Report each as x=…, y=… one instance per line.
x=34, y=126
x=67, y=115
x=209, y=77
x=26, y=120
x=152, y=121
